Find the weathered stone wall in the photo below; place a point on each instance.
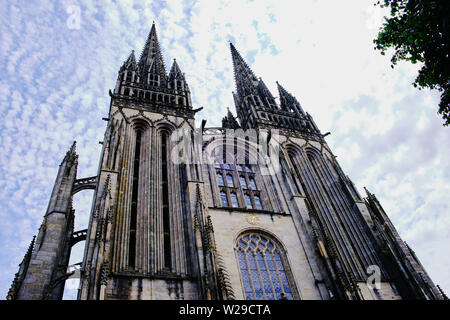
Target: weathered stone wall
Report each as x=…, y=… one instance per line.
x=129, y=288
x=228, y=225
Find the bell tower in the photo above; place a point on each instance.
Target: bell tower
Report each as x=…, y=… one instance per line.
x=256, y=106
x=141, y=243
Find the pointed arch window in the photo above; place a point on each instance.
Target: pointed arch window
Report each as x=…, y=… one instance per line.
x=243, y=182
x=248, y=201
x=223, y=198
x=230, y=182
x=258, y=202
x=265, y=272
x=237, y=180
x=252, y=183
x=234, y=199
x=220, y=179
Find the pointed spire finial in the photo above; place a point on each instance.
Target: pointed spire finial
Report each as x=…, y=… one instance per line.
x=151, y=57
x=73, y=147
x=175, y=71
x=246, y=81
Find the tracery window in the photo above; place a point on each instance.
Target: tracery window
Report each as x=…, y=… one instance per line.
x=238, y=183
x=265, y=272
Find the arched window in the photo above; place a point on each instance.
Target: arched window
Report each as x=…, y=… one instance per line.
x=230, y=180
x=265, y=272
x=248, y=201
x=223, y=197
x=219, y=179
x=258, y=202
x=234, y=200
x=252, y=184
x=243, y=182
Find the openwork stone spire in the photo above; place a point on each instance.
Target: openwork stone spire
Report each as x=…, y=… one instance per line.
x=151, y=59
x=246, y=81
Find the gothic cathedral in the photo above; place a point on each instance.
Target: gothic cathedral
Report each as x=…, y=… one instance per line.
x=256, y=209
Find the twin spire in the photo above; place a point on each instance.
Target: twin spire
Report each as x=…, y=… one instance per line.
x=138, y=78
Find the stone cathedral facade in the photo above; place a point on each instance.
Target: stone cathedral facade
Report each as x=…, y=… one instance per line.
x=256, y=209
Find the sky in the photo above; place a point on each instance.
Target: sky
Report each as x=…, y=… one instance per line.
x=58, y=59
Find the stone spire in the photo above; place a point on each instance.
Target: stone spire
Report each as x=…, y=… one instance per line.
x=288, y=102
x=151, y=59
x=246, y=81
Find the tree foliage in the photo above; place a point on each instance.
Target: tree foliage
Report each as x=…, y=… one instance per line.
x=418, y=31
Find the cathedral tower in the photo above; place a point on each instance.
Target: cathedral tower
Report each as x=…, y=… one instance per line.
x=258, y=208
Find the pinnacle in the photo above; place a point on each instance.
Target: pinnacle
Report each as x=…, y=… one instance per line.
x=73, y=147
x=175, y=70
x=288, y=101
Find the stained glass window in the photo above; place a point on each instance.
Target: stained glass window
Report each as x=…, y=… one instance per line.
x=263, y=267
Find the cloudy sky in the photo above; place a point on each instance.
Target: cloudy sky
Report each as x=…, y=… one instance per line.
x=58, y=60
